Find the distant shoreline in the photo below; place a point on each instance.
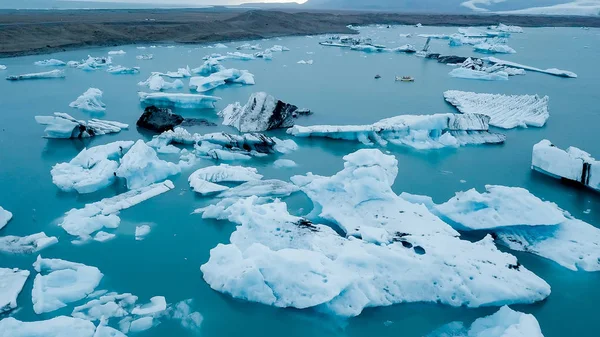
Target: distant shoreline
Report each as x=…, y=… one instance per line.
x=30, y=32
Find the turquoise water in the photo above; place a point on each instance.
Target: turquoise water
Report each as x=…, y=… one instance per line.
x=340, y=89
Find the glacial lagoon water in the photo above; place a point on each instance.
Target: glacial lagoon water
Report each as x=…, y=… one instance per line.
x=340, y=88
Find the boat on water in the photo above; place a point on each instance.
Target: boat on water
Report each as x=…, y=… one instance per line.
x=404, y=79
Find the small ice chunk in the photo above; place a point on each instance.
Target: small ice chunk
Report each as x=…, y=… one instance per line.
x=284, y=163
x=2, y=67
x=506, y=322
x=108, y=306
x=90, y=101
x=209, y=67
x=117, y=52
x=478, y=75
x=60, y=282
x=157, y=305
x=141, y=232
x=506, y=28
x=305, y=62
x=106, y=331
x=56, y=327
x=493, y=48
x=141, y=167
x=156, y=82
x=26, y=244
x=50, y=63
x=11, y=284
x=183, y=313
x=204, y=180
x=220, y=46
x=120, y=70
x=217, y=79
x=248, y=46
x=91, y=63
x=176, y=100
x=240, y=56
x=103, y=236
x=145, y=57
x=141, y=324
x=5, y=217
x=34, y=76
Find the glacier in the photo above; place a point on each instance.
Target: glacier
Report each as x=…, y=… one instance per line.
x=493, y=48
x=5, y=217
x=11, y=284
x=35, y=76
x=141, y=167
x=89, y=101
x=262, y=112
x=157, y=83
x=50, y=63
x=222, y=77
x=182, y=101
x=573, y=164
x=204, y=181
x=505, y=111
x=551, y=71
x=26, y=244
x=416, y=131
x=62, y=125
x=60, y=282
x=120, y=70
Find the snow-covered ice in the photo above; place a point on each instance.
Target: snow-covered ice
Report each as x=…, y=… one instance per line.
x=493, y=48
x=156, y=82
x=2, y=67
x=141, y=232
x=5, y=217
x=284, y=163
x=505, y=111
x=141, y=167
x=50, y=63
x=478, y=75
x=56, y=327
x=34, y=76
x=180, y=73
x=573, y=164
x=89, y=101
x=62, y=125
x=248, y=46
x=214, y=80
x=120, y=70
x=551, y=71
x=60, y=282
x=103, y=236
x=11, y=284
x=176, y=100
x=26, y=244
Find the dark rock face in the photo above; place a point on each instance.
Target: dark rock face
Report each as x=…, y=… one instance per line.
x=284, y=115
x=162, y=119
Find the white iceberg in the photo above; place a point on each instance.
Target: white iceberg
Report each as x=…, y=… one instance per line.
x=284, y=163
x=117, y=52
x=156, y=82
x=93, y=217
x=50, y=63
x=145, y=57
x=141, y=324
x=478, y=74
x=417, y=131
x=141, y=232
x=435, y=36
x=92, y=169
x=108, y=306
x=365, y=48
x=89, y=101
x=505, y=111
x=305, y=62
x=240, y=56
x=60, y=282
x=220, y=46
x=62, y=125
x=493, y=48
x=176, y=100
x=48, y=74
x=407, y=48
x=11, y=284
x=248, y=46
x=477, y=32
x=103, y=236
x=141, y=167
x=551, y=71
x=2, y=67
x=5, y=217
x=91, y=63
x=157, y=305
x=183, y=312
x=180, y=73
x=224, y=146
x=26, y=244
x=56, y=327
x=105, y=331
x=573, y=164
x=120, y=70
x=214, y=80
x=457, y=40
x=209, y=67
x=204, y=180
x=506, y=28
x=261, y=188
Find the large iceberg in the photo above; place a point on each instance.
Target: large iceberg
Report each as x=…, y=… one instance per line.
x=5, y=217
x=93, y=217
x=35, y=76
x=120, y=70
x=478, y=74
x=493, y=48
x=26, y=244
x=62, y=125
x=60, y=282
x=217, y=79
x=56, y=327
x=50, y=63
x=11, y=284
x=141, y=167
x=156, y=82
x=204, y=180
x=551, y=71
x=175, y=100
x=394, y=251
x=90, y=101
x=209, y=67
x=573, y=164
x=505, y=111
x=417, y=131
x=92, y=169
x=262, y=112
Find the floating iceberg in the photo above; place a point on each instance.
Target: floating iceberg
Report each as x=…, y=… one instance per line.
x=103, y=236
x=262, y=112
x=305, y=62
x=240, y=56
x=176, y=100
x=457, y=40
x=157, y=304
x=204, y=180
x=35, y=76
x=2, y=67
x=366, y=48
x=56, y=327
x=220, y=46
x=62, y=125
x=493, y=48
x=60, y=282
x=505, y=111
x=573, y=164
x=5, y=217
x=284, y=163
x=180, y=73
x=551, y=71
x=479, y=75
x=407, y=48
x=288, y=261
x=93, y=217
x=163, y=119
x=90, y=101
x=25, y=245
x=91, y=63
x=435, y=36
x=11, y=284
x=156, y=82
x=108, y=306
x=141, y=232
x=209, y=67
x=248, y=46
x=117, y=52
x=120, y=70
x=145, y=57
x=141, y=167
x=261, y=188
x=214, y=80
x=50, y=63
x=224, y=146
x=476, y=32
x=507, y=29
x=92, y=169
x=417, y=131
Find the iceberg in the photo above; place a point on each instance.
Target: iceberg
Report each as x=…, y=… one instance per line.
x=572, y=165
x=5, y=217
x=209, y=67
x=220, y=46
x=416, y=131
x=92, y=169
x=262, y=112
x=60, y=282
x=183, y=312
x=141, y=324
x=407, y=48
x=90, y=101
x=435, y=36
x=35, y=76
x=240, y=56
x=103, y=236
x=282, y=260
x=145, y=57
x=175, y=100
x=180, y=73
x=50, y=63
x=25, y=245
x=261, y=188
x=56, y=327
x=305, y=62
x=367, y=48
x=157, y=83
x=163, y=119
x=2, y=67
x=141, y=232
x=91, y=63
x=93, y=217
x=117, y=52
x=248, y=46
x=62, y=125
x=476, y=32
x=478, y=74
x=214, y=80
x=120, y=70
x=284, y=163
x=157, y=305
x=11, y=284
x=505, y=111
x=141, y=167
x=248, y=143
x=457, y=40
x=551, y=71
x=506, y=29
x=204, y=180
x=493, y=48
x=110, y=305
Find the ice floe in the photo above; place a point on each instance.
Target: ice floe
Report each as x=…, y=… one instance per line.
x=478, y=75
x=282, y=260
x=209, y=67
x=506, y=28
x=117, y=52
x=224, y=146
x=156, y=82
x=5, y=217
x=180, y=73
x=551, y=71
x=505, y=111
x=163, y=119
x=204, y=180
x=262, y=112
x=222, y=77
x=109, y=306
x=141, y=232
x=457, y=40
x=50, y=63
x=240, y=56
x=91, y=63
x=417, y=131
x=145, y=57
x=120, y=70
x=35, y=76
x=573, y=164
x=26, y=244
x=11, y=284
x=248, y=46
x=62, y=125
x=103, y=236
x=261, y=188
x=493, y=48
x=305, y=62
x=60, y=282
x=407, y=48
x=2, y=67
x=141, y=167
x=157, y=304
x=93, y=217
x=55, y=327
x=176, y=100
x=284, y=163
x=477, y=32
x=89, y=101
